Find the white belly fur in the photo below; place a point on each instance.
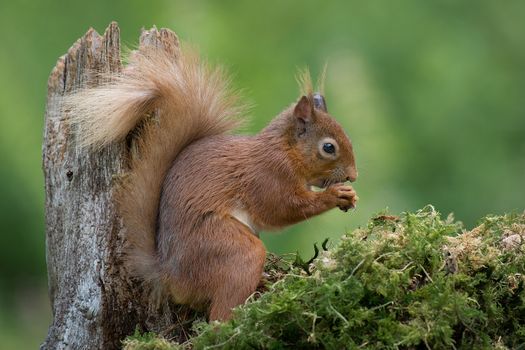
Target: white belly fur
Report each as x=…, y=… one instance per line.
x=243, y=217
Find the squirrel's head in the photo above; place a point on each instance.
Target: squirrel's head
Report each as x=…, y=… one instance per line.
x=321, y=143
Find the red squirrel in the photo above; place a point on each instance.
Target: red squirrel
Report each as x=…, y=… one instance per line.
x=196, y=196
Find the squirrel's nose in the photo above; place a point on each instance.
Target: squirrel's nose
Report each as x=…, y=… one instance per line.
x=352, y=175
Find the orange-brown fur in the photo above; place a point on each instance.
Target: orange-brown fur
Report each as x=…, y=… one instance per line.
x=191, y=178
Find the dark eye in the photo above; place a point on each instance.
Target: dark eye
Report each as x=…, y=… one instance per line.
x=329, y=148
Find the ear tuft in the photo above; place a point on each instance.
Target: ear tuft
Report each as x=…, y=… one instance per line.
x=303, y=109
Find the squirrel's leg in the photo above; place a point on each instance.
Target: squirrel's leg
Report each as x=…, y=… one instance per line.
x=238, y=266
x=219, y=263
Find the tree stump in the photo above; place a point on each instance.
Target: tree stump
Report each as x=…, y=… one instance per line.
x=95, y=302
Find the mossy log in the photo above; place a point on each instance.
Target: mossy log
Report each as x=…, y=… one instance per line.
x=417, y=281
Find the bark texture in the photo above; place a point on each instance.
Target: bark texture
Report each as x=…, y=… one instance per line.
x=95, y=303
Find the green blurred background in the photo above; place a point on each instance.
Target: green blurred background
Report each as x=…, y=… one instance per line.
x=432, y=94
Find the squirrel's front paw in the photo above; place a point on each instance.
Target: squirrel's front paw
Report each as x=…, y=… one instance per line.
x=344, y=195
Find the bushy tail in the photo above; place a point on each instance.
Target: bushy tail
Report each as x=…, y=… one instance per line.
x=192, y=100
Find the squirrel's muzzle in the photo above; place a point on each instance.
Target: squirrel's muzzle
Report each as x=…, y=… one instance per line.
x=351, y=174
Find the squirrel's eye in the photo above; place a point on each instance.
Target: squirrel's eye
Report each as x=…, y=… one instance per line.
x=329, y=148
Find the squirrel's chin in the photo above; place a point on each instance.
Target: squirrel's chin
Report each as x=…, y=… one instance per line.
x=321, y=184
x=317, y=185
x=314, y=188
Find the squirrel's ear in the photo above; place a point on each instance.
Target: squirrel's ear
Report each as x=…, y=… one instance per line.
x=319, y=102
x=303, y=109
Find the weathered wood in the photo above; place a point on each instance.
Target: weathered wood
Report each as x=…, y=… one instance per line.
x=94, y=301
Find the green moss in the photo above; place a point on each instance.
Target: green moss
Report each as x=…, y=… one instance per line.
x=147, y=341
x=418, y=281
